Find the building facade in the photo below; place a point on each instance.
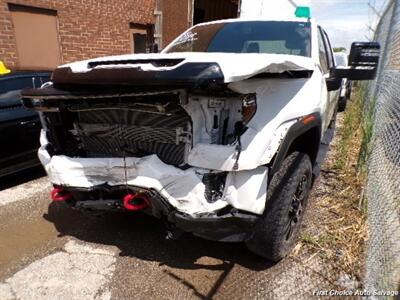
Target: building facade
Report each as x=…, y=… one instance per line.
x=42, y=34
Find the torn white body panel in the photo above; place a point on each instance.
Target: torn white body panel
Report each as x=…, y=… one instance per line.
x=245, y=185
x=278, y=103
x=183, y=189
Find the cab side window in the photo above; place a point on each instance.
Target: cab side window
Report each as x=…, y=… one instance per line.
x=323, y=57
x=329, y=52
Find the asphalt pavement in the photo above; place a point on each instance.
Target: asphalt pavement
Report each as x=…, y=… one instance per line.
x=48, y=251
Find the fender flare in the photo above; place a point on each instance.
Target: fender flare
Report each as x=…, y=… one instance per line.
x=303, y=125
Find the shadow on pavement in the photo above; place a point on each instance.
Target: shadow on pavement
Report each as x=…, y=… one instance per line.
x=142, y=236
x=138, y=235
x=21, y=177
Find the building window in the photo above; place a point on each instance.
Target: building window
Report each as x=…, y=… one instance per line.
x=199, y=15
x=139, y=40
x=141, y=37
x=210, y=10
x=36, y=35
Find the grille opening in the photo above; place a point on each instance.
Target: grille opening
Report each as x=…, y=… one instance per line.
x=129, y=126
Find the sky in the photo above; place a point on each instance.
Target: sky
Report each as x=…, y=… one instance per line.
x=345, y=20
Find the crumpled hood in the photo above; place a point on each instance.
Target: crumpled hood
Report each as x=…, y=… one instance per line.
x=235, y=67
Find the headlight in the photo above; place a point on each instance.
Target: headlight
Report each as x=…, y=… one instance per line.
x=249, y=107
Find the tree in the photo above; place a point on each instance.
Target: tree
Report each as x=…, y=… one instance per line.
x=339, y=49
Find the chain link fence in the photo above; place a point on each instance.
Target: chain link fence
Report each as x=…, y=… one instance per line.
x=383, y=181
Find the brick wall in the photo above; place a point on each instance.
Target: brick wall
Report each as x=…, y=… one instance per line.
x=175, y=19
x=87, y=28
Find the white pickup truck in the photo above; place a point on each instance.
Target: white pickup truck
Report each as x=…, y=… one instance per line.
x=220, y=134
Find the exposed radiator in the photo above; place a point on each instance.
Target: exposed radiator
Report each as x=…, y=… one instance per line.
x=119, y=132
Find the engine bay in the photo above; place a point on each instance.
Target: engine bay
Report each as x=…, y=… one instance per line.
x=167, y=124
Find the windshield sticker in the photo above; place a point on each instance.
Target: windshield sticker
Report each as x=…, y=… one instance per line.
x=188, y=37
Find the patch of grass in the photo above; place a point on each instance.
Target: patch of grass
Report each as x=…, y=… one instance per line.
x=321, y=243
x=350, y=231
x=310, y=240
x=367, y=130
x=341, y=231
x=351, y=130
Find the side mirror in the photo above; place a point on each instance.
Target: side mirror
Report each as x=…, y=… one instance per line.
x=333, y=83
x=363, y=62
x=154, y=48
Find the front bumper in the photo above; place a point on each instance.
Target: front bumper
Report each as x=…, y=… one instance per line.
x=184, y=190
x=232, y=227
x=226, y=225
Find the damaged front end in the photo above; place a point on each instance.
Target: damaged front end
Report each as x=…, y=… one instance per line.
x=125, y=148
x=157, y=135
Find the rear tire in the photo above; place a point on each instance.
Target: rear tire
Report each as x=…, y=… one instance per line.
x=277, y=231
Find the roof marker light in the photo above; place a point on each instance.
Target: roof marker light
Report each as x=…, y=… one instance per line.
x=303, y=12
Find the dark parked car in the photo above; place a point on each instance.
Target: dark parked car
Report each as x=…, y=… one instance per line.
x=19, y=128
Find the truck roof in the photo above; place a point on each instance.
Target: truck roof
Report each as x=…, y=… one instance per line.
x=294, y=19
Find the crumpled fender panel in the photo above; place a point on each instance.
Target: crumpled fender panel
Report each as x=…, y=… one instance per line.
x=278, y=102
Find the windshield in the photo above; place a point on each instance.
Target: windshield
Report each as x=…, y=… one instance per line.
x=273, y=37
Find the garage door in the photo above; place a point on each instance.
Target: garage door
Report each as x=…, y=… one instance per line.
x=36, y=35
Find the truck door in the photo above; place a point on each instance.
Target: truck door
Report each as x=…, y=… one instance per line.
x=333, y=95
x=327, y=63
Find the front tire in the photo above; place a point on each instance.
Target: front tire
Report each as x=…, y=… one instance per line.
x=277, y=231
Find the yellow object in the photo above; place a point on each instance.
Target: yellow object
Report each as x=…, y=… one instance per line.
x=3, y=69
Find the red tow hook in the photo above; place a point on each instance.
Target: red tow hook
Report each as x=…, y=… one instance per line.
x=59, y=195
x=136, y=202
